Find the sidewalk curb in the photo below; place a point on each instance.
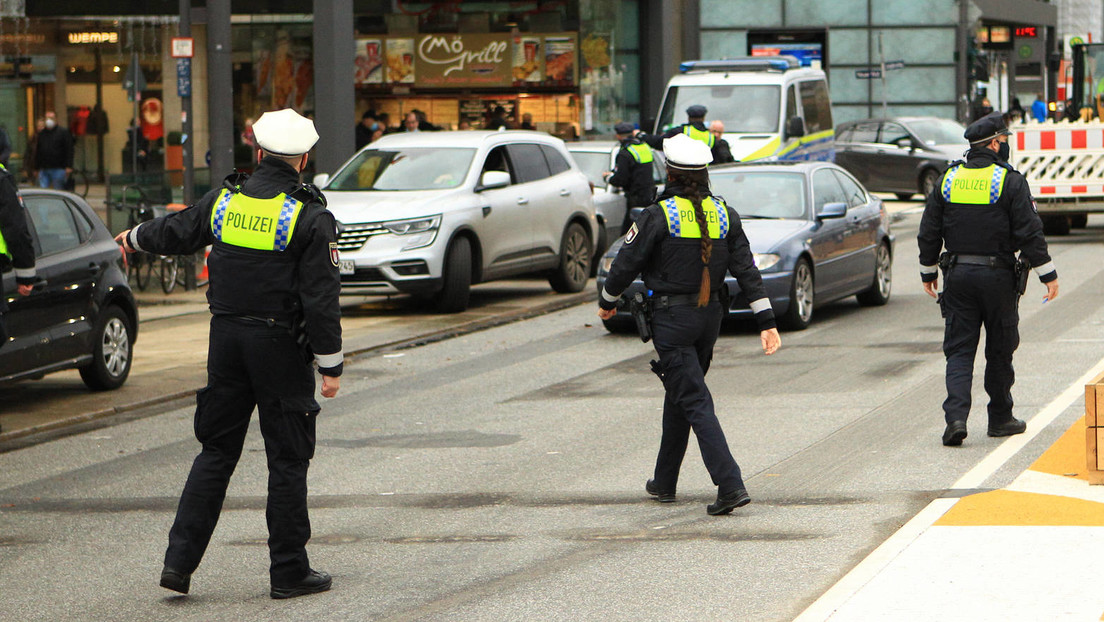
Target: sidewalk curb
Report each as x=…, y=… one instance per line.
x=466, y=328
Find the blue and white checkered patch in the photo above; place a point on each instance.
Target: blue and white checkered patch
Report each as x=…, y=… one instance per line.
x=673, y=217
x=722, y=217
x=948, y=180
x=220, y=213
x=995, y=186
x=283, y=225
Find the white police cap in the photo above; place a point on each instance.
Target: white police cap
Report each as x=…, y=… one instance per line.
x=686, y=153
x=285, y=133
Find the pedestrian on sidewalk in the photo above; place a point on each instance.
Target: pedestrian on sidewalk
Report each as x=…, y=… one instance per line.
x=981, y=214
x=273, y=294
x=684, y=264
x=53, y=154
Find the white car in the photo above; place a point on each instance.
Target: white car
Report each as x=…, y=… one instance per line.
x=431, y=213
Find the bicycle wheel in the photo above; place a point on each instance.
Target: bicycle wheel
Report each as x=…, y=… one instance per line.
x=81, y=186
x=170, y=268
x=144, y=271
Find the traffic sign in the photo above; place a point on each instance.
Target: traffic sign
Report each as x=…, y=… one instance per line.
x=183, y=47
x=184, y=77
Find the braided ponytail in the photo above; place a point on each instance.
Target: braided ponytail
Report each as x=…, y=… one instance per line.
x=692, y=182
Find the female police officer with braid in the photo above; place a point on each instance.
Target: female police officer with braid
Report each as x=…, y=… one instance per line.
x=684, y=266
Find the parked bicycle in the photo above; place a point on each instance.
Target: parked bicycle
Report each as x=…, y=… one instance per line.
x=139, y=264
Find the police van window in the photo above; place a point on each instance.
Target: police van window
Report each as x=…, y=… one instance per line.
x=791, y=103
x=54, y=226
x=529, y=163
x=851, y=190
x=865, y=132
x=556, y=162
x=826, y=189
x=893, y=132
x=744, y=108
x=816, y=106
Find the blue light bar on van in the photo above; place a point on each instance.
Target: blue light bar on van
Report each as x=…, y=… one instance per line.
x=747, y=63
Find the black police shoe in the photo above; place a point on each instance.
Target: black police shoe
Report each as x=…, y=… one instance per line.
x=661, y=496
x=315, y=581
x=175, y=580
x=725, y=503
x=1009, y=428
x=955, y=432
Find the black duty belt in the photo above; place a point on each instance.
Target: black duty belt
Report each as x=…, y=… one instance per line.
x=674, y=300
x=268, y=321
x=992, y=261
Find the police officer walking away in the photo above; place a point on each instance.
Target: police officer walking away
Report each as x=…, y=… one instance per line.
x=274, y=281
x=632, y=170
x=16, y=246
x=982, y=213
x=694, y=128
x=685, y=267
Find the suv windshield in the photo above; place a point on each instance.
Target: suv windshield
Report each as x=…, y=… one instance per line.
x=762, y=194
x=412, y=168
x=744, y=108
x=937, y=131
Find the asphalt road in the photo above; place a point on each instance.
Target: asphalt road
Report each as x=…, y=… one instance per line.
x=499, y=475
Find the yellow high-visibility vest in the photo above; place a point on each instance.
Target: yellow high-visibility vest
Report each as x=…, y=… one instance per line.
x=642, y=153
x=973, y=186
x=682, y=222
x=262, y=224
x=3, y=242
x=703, y=135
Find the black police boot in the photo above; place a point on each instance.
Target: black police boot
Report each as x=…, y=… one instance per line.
x=175, y=580
x=661, y=496
x=315, y=581
x=726, y=502
x=954, y=434
x=1009, y=428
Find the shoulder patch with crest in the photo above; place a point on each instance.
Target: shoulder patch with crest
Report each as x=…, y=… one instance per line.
x=631, y=235
x=335, y=255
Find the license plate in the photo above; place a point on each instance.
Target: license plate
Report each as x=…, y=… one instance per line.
x=346, y=266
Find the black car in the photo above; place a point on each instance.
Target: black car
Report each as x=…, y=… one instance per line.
x=903, y=155
x=81, y=313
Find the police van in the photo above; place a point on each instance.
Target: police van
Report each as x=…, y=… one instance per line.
x=771, y=106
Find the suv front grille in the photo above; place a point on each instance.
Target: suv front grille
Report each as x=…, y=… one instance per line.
x=353, y=237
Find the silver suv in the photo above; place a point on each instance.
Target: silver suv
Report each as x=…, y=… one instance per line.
x=431, y=213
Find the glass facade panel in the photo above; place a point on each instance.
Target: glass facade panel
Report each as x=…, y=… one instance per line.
x=723, y=43
x=740, y=13
x=908, y=12
x=917, y=84
x=845, y=87
x=821, y=13
x=848, y=47
x=923, y=45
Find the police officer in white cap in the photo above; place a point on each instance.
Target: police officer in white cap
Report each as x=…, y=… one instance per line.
x=684, y=245
x=273, y=293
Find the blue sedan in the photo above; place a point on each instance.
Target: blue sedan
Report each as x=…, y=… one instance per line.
x=816, y=234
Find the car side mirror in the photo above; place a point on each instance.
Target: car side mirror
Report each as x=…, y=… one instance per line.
x=832, y=210
x=904, y=143
x=795, y=127
x=321, y=179
x=493, y=179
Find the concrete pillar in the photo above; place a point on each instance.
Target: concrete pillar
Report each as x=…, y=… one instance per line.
x=334, y=97
x=220, y=94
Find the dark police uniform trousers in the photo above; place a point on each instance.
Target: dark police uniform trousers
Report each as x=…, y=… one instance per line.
x=982, y=213
x=254, y=360
x=683, y=333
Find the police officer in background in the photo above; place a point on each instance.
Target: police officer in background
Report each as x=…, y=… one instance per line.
x=632, y=171
x=684, y=264
x=16, y=246
x=274, y=276
x=981, y=213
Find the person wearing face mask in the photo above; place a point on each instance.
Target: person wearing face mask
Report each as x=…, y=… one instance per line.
x=368, y=129
x=981, y=214
x=53, y=154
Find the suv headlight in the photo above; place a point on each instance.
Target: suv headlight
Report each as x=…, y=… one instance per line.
x=422, y=231
x=765, y=261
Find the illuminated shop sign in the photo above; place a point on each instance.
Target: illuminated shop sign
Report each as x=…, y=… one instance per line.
x=83, y=38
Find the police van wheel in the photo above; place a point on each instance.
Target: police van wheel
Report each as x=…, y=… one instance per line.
x=575, y=258
x=800, y=313
x=454, y=296
x=1079, y=221
x=1056, y=225
x=879, y=291
x=112, y=351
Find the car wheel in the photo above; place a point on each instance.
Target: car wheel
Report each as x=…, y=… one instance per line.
x=574, y=269
x=454, y=296
x=112, y=350
x=1079, y=221
x=929, y=181
x=1056, y=225
x=879, y=291
x=903, y=196
x=619, y=326
x=800, y=313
